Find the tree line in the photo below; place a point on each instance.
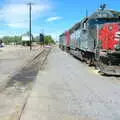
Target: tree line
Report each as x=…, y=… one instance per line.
x=47, y=39
x=18, y=40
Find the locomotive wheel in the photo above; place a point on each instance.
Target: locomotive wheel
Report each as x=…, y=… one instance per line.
x=88, y=61
x=101, y=66
x=80, y=56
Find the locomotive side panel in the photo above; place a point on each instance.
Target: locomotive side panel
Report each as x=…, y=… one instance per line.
x=67, y=37
x=62, y=41
x=88, y=36
x=84, y=40
x=92, y=37
x=77, y=38
x=73, y=40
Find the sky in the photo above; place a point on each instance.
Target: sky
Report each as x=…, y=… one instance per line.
x=48, y=16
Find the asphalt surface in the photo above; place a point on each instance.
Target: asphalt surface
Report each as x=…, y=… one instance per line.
x=19, y=68
x=69, y=90
x=12, y=59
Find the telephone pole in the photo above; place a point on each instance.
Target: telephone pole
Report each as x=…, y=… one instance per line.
x=30, y=26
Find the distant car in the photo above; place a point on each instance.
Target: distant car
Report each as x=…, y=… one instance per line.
x=2, y=45
x=47, y=46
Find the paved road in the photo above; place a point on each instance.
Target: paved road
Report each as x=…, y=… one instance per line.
x=69, y=90
x=12, y=59
x=16, y=78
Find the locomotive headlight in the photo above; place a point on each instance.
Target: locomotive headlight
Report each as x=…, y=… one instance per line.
x=110, y=27
x=115, y=46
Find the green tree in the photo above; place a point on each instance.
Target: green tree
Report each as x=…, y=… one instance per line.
x=37, y=39
x=12, y=39
x=17, y=39
x=49, y=40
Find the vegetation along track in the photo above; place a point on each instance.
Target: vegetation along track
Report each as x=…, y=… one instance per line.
x=19, y=86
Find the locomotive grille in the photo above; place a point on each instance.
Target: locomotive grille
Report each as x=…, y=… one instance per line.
x=115, y=58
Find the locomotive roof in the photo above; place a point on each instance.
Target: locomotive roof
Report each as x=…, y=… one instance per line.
x=62, y=34
x=105, y=14
x=75, y=27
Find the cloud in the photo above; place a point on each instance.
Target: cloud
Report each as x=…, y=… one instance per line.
x=53, y=18
x=17, y=15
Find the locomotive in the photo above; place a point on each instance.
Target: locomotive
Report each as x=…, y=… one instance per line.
x=96, y=40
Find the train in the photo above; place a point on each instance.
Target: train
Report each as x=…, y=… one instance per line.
x=96, y=40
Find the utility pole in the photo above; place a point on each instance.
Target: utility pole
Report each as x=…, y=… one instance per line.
x=30, y=34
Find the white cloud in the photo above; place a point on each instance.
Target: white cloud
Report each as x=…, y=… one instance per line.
x=53, y=18
x=16, y=15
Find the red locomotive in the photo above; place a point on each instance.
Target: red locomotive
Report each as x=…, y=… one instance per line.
x=96, y=40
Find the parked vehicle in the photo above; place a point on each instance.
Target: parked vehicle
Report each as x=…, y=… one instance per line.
x=96, y=40
x=1, y=43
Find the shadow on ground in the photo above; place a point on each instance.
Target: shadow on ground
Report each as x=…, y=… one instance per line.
x=28, y=73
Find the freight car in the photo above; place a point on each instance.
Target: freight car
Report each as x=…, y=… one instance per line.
x=96, y=40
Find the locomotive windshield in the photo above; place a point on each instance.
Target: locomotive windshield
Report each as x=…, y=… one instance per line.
x=107, y=20
x=103, y=20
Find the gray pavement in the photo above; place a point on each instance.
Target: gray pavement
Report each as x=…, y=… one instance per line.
x=12, y=59
x=18, y=70
x=69, y=90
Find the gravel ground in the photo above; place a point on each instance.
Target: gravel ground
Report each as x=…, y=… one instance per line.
x=69, y=90
x=19, y=68
x=12, y=59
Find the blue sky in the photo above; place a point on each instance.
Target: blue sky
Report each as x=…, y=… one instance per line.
x=51, y=16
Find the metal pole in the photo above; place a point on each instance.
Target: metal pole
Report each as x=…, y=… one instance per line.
x=97, y=34
x=97, y=44
x=30, y=35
